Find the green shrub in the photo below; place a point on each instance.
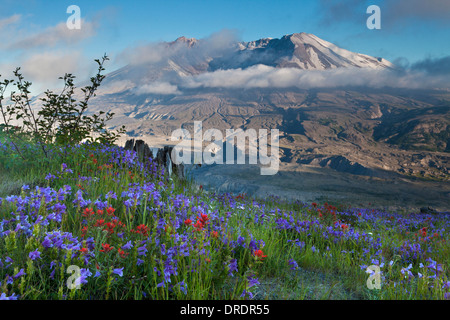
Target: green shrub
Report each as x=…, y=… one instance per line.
x=62, y=120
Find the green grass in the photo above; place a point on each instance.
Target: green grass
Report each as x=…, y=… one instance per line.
x=329, y=259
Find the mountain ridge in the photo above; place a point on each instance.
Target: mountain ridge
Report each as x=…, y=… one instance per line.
x=309, y=52
x=403, y=131
x=298, y=50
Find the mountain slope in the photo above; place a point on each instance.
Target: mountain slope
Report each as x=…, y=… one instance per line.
x=188, y=57
x=395, y=130
x=298, y=50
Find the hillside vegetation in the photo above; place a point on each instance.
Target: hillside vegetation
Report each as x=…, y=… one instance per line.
x=81, y=218
x=135, y=233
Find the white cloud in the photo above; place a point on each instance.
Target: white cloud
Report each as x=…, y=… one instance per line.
x=157, y=88
x=10, y=20
x=216, y=44
x=262, y=76
x=151, y=53
x=44, y=55
x=50, y=66
x=115, y=86
x=55, y=35
x=44, y=69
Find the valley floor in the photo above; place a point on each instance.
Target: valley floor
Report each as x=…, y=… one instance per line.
x=309, y=184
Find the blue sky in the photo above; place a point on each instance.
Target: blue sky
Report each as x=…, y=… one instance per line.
x=32, y=35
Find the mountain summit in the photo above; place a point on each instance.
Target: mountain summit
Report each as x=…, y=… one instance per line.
x=189, y=56
x=185, y=57
x=299, y=50
x=188, y=41
x=313, y=91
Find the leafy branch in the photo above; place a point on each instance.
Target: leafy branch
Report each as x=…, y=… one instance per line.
x=62, y=120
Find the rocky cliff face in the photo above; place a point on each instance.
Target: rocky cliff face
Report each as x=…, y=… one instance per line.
x=162, y=156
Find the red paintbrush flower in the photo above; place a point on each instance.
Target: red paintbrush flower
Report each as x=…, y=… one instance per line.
x=106, y=247
x=99, y=223
x=198, y=225
x=203, y=218
x=259, y=254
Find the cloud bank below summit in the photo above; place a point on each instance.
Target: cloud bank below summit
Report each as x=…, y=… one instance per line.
x=262, y=76
x=426, y=74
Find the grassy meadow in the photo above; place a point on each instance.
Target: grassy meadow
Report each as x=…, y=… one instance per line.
x=96, y=222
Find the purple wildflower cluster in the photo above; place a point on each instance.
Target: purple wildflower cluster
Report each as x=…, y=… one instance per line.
x=39, y=220
x=145, y=234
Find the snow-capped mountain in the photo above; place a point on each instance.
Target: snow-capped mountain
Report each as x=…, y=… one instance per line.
x=323, y=99
x=189, y=57
x=298, y=50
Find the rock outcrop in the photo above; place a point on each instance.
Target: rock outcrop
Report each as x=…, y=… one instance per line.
x=162, y=156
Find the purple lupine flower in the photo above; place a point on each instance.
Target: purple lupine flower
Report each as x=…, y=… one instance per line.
x=128, y=203
x=252, y=282
x=118, y=271
x=446, y=285
x=84, y=274
x=433, y=265
x=4, y=297
x=47, y=243
x=232, y=267
x=241, y=241
x=127, y=246
x=407, y=271
x=101, y=204
x=142, y=251
x=246, y=293
x=294, y=264
x=252, y=245
x=183, y=286
x=33, y=255
x=19, y=274
x=111, y=195
x=50, y=177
